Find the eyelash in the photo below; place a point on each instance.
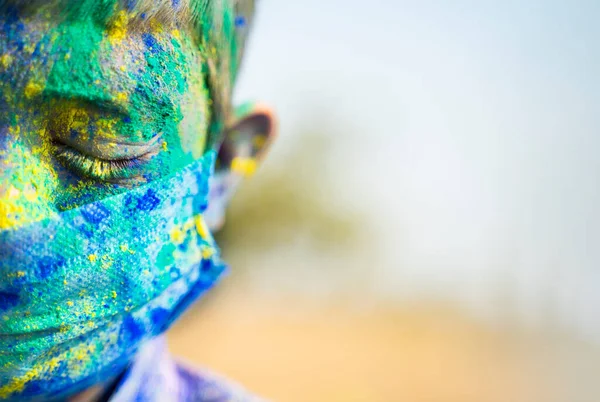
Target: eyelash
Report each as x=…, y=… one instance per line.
x=95, y=168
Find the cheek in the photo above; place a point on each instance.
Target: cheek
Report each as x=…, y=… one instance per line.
x=195, y=109
x=193, y=128
x=28, y=180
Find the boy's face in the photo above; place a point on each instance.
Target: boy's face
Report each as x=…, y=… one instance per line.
x=92, y=105
x=90, y=108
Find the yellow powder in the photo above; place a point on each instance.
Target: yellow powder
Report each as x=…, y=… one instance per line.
x=118, y=29
x=207, y=253
x=177, y=236
x=201, y=227
x=244, y=166
x=33, y=89
x=6, y=60
x=122, y=97
x=156, y=26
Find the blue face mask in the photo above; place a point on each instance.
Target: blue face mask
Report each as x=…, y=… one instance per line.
x=80, y=292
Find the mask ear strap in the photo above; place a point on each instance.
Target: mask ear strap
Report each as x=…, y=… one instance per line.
x=243, y=148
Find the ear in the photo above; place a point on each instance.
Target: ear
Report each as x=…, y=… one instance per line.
x=247, y=141
x=245, y=144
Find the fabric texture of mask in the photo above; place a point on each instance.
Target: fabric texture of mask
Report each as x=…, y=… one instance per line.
x=81, y=292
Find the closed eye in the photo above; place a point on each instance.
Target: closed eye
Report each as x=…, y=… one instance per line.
x=109, y=170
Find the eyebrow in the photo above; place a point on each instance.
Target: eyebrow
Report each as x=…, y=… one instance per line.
x=104, y=103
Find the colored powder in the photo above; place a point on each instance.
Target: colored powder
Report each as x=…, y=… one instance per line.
x=72, y=273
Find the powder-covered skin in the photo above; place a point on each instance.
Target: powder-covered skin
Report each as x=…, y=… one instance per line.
x=105, y=124
x=89, y=85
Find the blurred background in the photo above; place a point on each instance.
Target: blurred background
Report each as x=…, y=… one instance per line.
x=426, y=228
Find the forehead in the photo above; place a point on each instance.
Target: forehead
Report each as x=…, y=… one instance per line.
x=38, y=35
x=104, y=60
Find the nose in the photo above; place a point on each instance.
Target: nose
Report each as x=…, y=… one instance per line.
x=27, y=180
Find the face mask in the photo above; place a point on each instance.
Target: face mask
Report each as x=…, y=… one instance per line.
x=79, y=293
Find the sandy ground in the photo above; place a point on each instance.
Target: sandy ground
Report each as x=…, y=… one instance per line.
x=279, y=326
x=290, y=350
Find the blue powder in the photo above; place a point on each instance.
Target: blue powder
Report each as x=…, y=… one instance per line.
x=130, y=5
x=95, y=214
x=240, y=22
x=132, y=331
x=149, y=201
x=151, y=43
x=48, y=265
x=8, y=300
x=160, y=320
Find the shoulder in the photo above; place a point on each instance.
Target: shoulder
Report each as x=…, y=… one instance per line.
x=203, y=386
x=155, y=376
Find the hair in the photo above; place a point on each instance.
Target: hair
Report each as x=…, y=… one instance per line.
x=219, y=26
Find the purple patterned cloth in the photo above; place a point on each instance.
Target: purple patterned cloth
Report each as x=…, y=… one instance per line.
x=156, y=377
